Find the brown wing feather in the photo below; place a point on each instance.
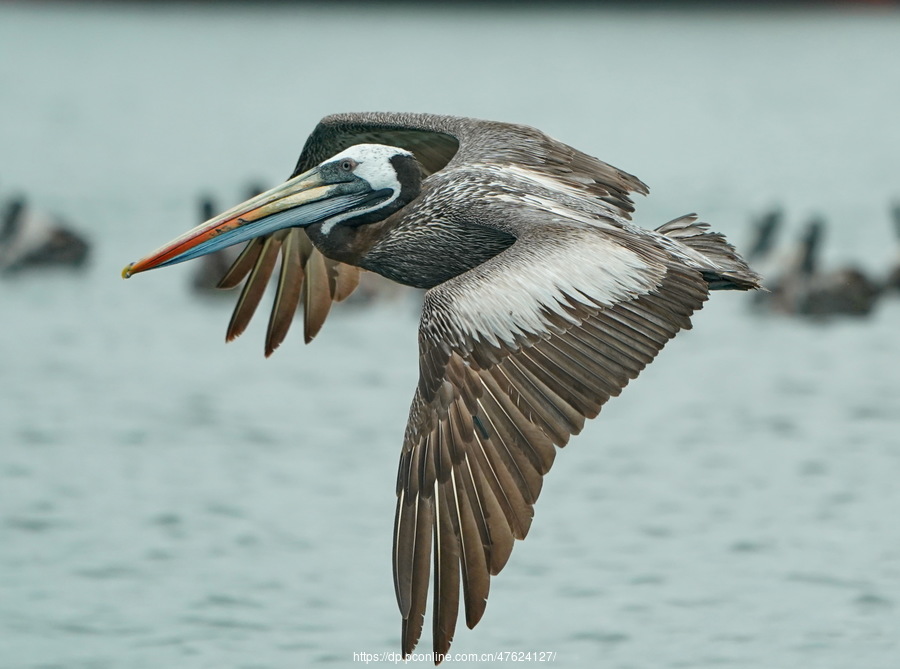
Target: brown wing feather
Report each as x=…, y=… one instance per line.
x=317, y=293
x=287, y=295
x=242, y=264
x=346, y=281
x=487, y=432
x=254, y=287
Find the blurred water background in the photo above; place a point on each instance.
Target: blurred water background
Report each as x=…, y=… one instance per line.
x=170, y=501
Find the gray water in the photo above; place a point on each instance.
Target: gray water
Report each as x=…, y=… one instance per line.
x=170, y=501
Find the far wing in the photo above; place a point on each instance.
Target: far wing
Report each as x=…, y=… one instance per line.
x=306, y=278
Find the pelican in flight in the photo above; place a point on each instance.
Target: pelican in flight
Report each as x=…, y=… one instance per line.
x=543, y=300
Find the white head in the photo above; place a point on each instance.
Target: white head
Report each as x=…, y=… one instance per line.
x=377, y=165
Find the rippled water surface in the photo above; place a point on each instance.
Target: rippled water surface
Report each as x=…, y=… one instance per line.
x=169, y=501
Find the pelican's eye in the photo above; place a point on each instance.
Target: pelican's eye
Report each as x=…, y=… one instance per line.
x=347, y=165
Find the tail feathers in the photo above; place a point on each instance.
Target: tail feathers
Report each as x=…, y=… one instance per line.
x=724, y=269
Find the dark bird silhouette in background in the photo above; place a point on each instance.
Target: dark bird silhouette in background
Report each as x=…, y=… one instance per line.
x=804, y=288
x=892, y=282
x=32, y=239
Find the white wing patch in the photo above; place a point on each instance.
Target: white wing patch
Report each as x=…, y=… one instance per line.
x=507, y=296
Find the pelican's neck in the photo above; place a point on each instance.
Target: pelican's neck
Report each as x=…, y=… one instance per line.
x=433, y=251
x=347, y=243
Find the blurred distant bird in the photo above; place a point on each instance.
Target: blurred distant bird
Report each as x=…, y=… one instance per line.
x=893, y=278
x=762, y=252
x=806, y=290
x=30, y=238
x=543, y=301
x=12, y=221
x=765, y=233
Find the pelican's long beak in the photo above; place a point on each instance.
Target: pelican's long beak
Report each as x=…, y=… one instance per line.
x=298, y=202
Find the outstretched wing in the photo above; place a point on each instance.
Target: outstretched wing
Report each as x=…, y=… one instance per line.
x=514, y=356
x=309, y=279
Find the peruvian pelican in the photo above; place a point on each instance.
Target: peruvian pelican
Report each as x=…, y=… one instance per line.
x=31, y=238
x=765, y=232
x=543, y=300
x=892, y=283
x=805, y=289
